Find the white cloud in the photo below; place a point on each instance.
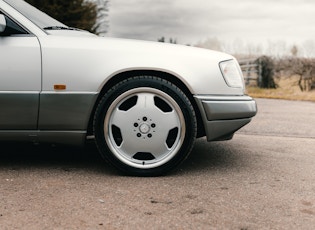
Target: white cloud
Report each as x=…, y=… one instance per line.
x=191, y=21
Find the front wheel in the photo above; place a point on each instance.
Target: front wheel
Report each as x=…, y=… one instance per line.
x=145, y=126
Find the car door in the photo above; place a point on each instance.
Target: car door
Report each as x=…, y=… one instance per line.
x=20, y=77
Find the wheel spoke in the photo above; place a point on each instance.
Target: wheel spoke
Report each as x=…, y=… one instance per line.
x=145, y=101
x=170, y=120
x=156, y=146
x=129, y=147
x=158, y=150
x=120, y=118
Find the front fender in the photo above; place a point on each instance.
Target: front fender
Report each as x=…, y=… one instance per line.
x=85, y=64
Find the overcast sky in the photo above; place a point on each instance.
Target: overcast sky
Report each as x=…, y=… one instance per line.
x=193, y=21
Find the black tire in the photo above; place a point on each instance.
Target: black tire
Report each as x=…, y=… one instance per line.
x=145, y=126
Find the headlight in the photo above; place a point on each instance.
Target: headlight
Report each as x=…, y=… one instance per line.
x=231, y=73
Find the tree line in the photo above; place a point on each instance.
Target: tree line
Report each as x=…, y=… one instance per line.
x=88, y=15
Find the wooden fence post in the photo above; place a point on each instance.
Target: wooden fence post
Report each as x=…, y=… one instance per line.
x=251, y=71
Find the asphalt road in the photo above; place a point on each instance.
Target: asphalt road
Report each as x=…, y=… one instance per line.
x=262, y=179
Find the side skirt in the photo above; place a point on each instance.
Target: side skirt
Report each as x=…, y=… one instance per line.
x=56, y=137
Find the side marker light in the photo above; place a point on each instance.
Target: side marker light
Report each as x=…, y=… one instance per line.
x=60, y=87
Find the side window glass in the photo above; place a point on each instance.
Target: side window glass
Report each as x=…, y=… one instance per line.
x=11, y=28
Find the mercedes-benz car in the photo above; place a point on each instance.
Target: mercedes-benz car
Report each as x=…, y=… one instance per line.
x=144, y=103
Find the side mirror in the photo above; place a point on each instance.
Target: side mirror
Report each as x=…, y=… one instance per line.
x=3, y=23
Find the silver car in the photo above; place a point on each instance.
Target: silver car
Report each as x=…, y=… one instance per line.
x=144, y=103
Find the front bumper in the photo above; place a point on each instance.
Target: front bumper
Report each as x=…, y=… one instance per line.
x=223, y=115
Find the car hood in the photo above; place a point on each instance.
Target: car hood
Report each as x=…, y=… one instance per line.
x=164, y=48
x=99, y=42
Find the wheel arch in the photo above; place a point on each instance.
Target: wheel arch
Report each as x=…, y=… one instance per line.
x=163, y=75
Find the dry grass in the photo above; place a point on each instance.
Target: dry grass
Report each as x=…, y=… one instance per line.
x=288, y=90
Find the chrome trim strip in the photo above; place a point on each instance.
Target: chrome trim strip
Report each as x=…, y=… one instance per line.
x=68, y=92
x=223, y=98
x=19, y=92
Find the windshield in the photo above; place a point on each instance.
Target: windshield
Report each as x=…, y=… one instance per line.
x=36, y=16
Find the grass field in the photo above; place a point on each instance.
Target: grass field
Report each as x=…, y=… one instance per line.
x=288, y=90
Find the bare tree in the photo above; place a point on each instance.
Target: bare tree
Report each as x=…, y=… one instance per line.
x=102, y=23
x=302, y=67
